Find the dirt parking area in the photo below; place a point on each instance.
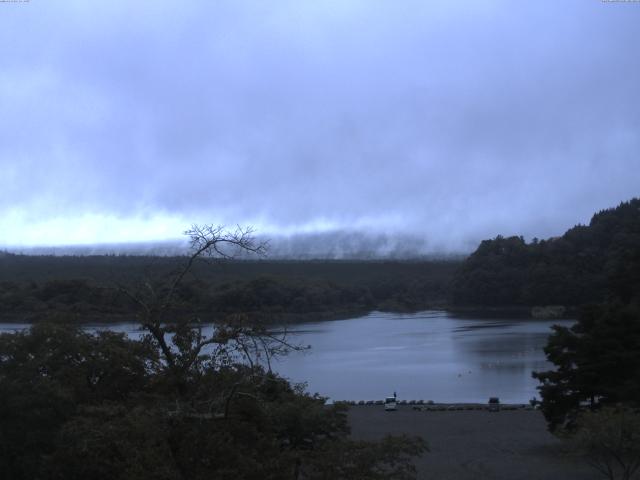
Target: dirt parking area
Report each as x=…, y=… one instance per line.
x=478, y=445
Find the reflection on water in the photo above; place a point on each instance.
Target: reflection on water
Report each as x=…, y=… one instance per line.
x=427, y=355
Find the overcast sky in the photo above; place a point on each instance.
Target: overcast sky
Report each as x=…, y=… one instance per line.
x=453, y=120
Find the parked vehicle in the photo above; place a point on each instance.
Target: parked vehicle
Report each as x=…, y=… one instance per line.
x=390, y=404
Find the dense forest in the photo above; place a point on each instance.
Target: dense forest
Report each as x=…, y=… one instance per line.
x=588, y=264
x=592, y=393
x=34, y=287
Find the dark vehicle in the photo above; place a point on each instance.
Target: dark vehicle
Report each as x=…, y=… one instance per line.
x=494, y=404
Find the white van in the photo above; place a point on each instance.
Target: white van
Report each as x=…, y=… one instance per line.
x=390, y=404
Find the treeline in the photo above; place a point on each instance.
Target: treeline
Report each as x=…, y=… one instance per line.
x=35, y=287
x=588, y=264
x=597, y=359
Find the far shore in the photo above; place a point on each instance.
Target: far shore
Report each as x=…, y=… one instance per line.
x=286, y=318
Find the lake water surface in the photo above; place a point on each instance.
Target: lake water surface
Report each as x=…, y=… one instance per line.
x=429, y=355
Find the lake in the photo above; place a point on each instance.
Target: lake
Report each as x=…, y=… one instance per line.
x=431, y=355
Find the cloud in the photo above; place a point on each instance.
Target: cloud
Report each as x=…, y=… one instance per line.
x=449, y=121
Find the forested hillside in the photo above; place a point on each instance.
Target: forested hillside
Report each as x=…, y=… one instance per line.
x=33, y=287
x=588, y=264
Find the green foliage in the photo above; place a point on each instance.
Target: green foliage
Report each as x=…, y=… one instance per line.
x=588, y=264
x=46, y=373
x=610, y=441
x=75, y=405
x=113, y=441
x=597, y=362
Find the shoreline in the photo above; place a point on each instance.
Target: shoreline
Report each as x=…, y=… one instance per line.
x=289, y=318
x=429, y=406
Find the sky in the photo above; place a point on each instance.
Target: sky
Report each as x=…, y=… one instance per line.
x=444, y=121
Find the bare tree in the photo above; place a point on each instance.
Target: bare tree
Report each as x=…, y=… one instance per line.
x=181, y=340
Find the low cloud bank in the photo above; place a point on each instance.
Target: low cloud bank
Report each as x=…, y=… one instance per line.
x=334, y=245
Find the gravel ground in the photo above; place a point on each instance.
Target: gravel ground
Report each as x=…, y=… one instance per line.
x=476, y=445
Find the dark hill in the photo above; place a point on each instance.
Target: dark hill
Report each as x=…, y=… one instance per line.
x=588, y=264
